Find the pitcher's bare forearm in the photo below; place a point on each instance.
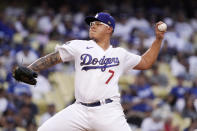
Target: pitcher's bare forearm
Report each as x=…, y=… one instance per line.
x=45, y=62
x=150, y=56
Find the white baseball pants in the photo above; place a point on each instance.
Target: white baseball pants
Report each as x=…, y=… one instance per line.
x=77, y=117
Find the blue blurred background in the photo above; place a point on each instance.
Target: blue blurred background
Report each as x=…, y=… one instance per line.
x=161, y=98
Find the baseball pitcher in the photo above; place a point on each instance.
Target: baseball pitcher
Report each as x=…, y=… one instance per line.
x=98, y=68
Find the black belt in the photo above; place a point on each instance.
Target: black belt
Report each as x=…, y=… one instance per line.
x=97, y=103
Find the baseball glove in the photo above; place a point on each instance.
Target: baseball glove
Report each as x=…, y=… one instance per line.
x=24, y=74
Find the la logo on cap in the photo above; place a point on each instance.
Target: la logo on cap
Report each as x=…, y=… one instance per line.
x=96, y=15
x=109, y=22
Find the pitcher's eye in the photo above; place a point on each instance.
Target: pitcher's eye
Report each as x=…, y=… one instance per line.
x=95, y=23
x=92, y=23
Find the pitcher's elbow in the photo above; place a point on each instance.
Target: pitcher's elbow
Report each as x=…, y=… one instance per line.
x=147, y=67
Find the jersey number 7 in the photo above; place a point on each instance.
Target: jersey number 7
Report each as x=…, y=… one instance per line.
x=112, y=74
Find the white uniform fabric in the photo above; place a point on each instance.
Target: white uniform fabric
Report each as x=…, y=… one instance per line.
x=90, y=83
x=96, y=79
x=76, y=117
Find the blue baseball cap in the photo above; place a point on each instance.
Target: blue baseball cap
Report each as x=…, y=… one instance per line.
x=102, y=17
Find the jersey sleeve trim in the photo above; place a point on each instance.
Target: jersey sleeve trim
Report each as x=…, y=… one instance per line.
x=65, y=53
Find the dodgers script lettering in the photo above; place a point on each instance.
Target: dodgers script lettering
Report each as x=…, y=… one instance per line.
x=88, y=62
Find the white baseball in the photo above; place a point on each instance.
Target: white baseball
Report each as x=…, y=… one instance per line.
x=162, y=27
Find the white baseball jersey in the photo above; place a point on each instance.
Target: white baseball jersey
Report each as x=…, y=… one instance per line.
x=97, y=70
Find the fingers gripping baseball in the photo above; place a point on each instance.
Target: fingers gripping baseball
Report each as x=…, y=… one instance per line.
x=24, y=74
x=160, y=30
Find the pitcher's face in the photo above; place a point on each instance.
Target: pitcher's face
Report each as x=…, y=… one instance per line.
x=98, y=30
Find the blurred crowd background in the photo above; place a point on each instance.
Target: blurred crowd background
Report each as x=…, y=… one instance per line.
x=163, y=98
